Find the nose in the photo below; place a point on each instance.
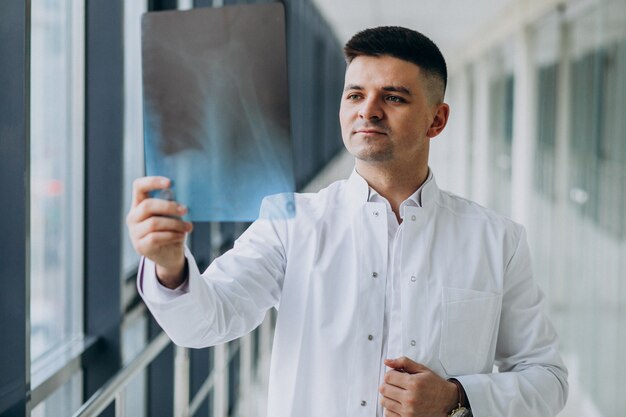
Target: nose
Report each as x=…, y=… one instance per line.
x=370, y=109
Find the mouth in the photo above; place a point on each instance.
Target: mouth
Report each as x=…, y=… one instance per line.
x=370, y=132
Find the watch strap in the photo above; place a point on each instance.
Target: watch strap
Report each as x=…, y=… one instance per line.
x=462, y=410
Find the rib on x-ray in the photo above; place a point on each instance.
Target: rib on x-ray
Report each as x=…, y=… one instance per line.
x=216, y=110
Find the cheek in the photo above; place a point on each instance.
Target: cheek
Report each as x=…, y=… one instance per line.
x=344, y=118
x=404, y=128
x=414, y=128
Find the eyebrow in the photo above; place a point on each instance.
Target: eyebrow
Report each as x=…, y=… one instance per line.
x=352, y=87
x=397, y=89
x=390, y=88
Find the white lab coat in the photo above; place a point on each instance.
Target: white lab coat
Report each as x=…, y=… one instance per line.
x=468, y=303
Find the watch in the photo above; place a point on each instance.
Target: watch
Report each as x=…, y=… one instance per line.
x=461, y=411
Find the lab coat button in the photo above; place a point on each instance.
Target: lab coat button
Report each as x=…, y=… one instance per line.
x=363, y=403
x=413, y=217
x=370, y=337
x=413, y=278
x=374, y=274
x=375, y=213
x=412, y=342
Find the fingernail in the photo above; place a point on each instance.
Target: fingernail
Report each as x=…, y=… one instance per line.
x=165, y=182
x=182, y=209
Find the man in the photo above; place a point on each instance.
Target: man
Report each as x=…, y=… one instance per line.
x=394, y=297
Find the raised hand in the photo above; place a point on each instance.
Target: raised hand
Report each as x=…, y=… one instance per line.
x=157, y=231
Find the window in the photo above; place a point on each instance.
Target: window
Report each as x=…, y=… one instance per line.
x=501, y=85
x=56, y=201
x=547, y=45
x=579, y=204
x=134, y=340
x=133, y=118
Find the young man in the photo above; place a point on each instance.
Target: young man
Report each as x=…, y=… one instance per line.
x=394, y=297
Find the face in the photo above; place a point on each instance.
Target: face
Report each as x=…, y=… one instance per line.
x=385, y=114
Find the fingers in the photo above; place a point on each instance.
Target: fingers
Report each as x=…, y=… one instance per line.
x=152, y=234
x=406, y=365
x=151, y=207
x=142, y=186
x=147, y=245
x=392, y=407
x=392, y=392
x=160, y=224
x=391, y=412
x=398, y=379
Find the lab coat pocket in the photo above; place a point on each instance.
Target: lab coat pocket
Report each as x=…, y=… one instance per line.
x=467, y=330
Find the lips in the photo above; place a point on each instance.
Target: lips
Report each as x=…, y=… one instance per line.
x=370, y=131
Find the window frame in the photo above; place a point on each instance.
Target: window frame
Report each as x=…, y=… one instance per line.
x=14, y=158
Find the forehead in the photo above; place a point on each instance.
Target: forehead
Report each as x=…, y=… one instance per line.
x=379, y=71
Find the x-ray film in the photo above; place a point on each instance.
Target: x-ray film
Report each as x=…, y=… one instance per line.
x=216, y=110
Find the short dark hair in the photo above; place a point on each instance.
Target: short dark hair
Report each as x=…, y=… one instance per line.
x=406, y=44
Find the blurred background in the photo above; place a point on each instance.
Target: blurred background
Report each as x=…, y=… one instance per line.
x=537, y=91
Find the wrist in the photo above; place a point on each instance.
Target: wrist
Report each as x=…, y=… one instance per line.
x=173, y=276
x=453, y=396
x=461, y=407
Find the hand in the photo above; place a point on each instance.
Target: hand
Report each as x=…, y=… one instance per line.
x=156, y=230
x=412, y=390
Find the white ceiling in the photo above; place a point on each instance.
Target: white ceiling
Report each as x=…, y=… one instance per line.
x=447, y=22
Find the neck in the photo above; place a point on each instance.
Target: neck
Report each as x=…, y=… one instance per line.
x=394, y=183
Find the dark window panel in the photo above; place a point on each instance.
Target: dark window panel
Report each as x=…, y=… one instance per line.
x=103, y=180
x=160, y=378
x=200, y=366
x=155, y=5
x=14, y=168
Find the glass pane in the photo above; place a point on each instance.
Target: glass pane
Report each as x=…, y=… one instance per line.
x=546, y=44
x=579, y=222
x=501, y=85
x=133, y=119
x=56, y=177
x=593, y=234
x=134, y=337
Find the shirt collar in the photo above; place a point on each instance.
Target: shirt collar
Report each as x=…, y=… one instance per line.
x=414, y=199
x=360, y=192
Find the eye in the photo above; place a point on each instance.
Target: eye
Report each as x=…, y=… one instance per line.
x=395, y=99
x=353, y=97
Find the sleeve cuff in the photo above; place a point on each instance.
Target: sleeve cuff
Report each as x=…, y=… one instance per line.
x=151, y=289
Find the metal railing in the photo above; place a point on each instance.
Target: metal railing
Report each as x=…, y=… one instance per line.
x=216, y=382
x=107, y=394
x=253, y=375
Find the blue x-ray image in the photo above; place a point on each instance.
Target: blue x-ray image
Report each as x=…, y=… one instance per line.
x=216, y=110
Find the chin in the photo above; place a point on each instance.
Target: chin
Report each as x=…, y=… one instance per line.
x=382, y=156
x=371, y=152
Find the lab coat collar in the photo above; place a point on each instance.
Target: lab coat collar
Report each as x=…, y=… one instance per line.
x=358, y=191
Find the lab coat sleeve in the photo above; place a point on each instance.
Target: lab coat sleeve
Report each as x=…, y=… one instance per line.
x=229, y=299
x=532, y=379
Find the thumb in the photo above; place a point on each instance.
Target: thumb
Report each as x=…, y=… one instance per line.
x=405, y=364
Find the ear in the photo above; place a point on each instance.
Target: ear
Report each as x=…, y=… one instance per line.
x=439, y=121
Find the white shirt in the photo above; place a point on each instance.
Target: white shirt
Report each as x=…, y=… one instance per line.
x=467, y=302
x=392, y=322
